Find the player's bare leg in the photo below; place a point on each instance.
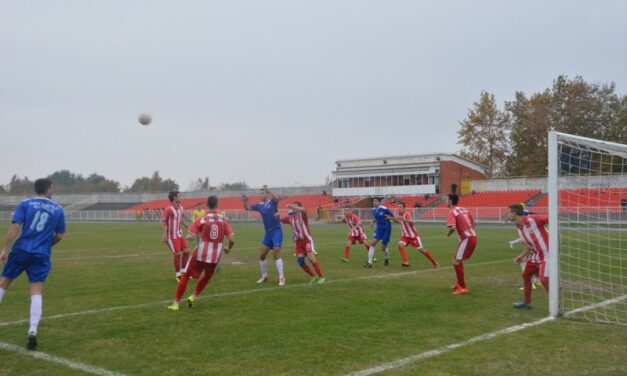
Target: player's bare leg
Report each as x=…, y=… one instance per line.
x=428, y=255
x=263, y=263
x=276, y=252
x=312, y=259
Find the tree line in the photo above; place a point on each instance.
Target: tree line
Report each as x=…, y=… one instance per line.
x=512, y=141
x=66, y=181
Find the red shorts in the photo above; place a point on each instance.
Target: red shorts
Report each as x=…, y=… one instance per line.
x=414, y=242
x=354, y=239
x=302, y=247
x=176, y=245
x=195, y=267
x=466, y=248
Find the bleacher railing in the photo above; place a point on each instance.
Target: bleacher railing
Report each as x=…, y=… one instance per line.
x=433, y=215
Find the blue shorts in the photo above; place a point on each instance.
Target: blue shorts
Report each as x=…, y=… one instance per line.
x=36, y=265
x=273, y=239
x=383, y=234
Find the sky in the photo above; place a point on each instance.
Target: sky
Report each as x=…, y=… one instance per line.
x=274, y=91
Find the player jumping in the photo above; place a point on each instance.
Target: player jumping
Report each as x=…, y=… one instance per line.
x=461, y=220
x=171, y=221
x=410, y=237
x=42, y=223
x=211, y=229
x=381, y=216
x=297, y=218
x=273, y=238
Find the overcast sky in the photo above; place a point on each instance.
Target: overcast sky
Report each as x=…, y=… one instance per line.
x=270, y=91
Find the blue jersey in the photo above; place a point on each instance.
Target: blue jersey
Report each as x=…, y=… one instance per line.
x=379, y=214
x=40, y=218
x=269, y=211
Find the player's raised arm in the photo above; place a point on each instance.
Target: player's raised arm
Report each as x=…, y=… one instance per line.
x=297, y=208
x=272, y=195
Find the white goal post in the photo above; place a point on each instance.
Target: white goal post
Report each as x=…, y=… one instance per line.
x=587, y=188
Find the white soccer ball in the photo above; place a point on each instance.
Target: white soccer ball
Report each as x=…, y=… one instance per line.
x=144, y=119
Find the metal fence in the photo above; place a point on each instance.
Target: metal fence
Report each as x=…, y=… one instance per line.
x=605, y=215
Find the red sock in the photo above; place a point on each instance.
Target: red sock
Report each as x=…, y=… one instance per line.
x=202, y=283
x=430, y=257
x=459, y=270
x=176, y=260
x=318, y=269
x=185, y=258
x=404, y=255
x=308, y=270
x=347, y=252
x=180, y=288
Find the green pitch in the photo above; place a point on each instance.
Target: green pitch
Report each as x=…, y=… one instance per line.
x=359, y=319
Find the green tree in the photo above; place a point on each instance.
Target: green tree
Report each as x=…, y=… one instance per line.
x=153, y=184
x=237, y=186
x=484, y=134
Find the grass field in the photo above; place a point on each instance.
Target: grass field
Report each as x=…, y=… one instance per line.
x=105, y=299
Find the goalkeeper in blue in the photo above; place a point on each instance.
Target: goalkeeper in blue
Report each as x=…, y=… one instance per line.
x=383, y=231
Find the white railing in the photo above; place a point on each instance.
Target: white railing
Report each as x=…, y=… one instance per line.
x=435, y=215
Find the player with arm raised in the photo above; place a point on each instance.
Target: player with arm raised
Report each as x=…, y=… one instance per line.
x=532, y=230
x=273, y=238
x=355, y=232
x=462, y=221
x=381, y=216
x=410, y=236
x=211, y=229
x=171, y=221
x=297, y=218
x=42, y=225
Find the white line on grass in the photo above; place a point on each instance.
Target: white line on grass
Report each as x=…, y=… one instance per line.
x=56, y=359
x=484, y=337
x=243, y=292
x=445, y=349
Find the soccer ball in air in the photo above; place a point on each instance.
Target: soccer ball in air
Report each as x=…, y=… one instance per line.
x=144, y=119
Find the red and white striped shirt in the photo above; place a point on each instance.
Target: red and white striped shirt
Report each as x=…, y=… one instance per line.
x=300, y=225
x=352, y=220
x=409, y=229
x=212, y=228
x=535, y=236
x=463, y=221
x=173, y=218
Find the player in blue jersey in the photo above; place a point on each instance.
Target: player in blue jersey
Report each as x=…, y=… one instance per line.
x=42, y=225
x=381, y=216
x=273, y=238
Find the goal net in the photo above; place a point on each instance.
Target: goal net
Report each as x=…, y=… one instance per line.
x=588, y=228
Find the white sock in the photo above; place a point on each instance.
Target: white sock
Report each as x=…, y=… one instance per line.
x=1, y=293
x=279, y=266
x=35, y=312
x=264, y=268
x=370, y=254
x=386, y=253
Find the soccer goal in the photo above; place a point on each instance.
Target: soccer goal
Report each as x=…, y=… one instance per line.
x=587, y=189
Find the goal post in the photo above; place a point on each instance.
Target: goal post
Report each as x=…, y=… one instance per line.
x=587, y=189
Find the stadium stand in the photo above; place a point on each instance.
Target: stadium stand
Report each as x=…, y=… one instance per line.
x=588, y=200
x=413, y=201
x=495, y=199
